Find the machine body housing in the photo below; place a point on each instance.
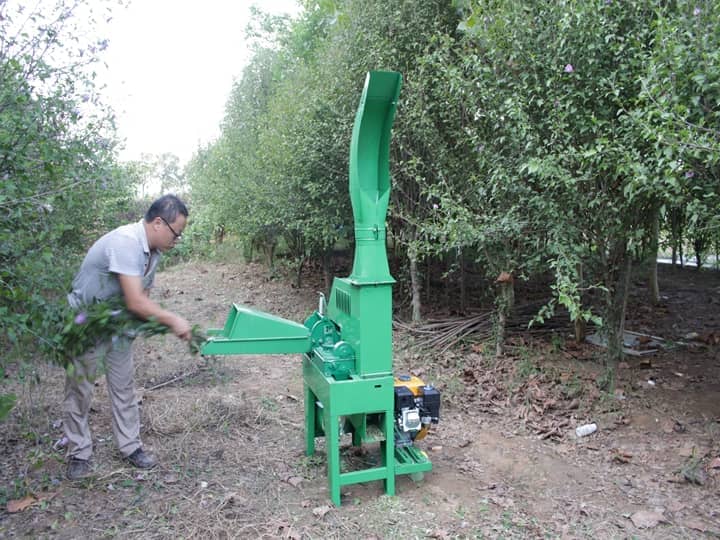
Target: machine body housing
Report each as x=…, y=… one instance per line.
x=347, y=343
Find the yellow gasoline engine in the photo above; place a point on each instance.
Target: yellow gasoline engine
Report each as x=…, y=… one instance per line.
x=417, y=406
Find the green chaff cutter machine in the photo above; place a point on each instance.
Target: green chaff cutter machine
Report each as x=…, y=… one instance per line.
x=347, y=343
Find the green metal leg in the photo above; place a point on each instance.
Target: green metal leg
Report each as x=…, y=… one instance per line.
x=388, y=450
x=358, y=431
x=332, y=443
x=310, y=421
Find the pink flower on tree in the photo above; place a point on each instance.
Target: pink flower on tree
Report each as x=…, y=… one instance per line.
x=81, y=318
x=569, y=68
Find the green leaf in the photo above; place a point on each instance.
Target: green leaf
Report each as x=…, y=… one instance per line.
x=7, y=402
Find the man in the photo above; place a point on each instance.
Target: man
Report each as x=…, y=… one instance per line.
x=120, y=264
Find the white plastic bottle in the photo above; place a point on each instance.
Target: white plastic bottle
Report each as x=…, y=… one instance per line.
x=584, y=430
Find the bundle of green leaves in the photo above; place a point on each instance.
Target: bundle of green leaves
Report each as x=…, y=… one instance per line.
x=80, y=330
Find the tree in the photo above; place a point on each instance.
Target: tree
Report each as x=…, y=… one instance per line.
x=563, y=82
x=226, y=179
x=59, y=181
x=680, y=115
x=532, y=139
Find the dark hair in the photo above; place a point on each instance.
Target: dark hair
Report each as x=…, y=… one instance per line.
x=166, y=207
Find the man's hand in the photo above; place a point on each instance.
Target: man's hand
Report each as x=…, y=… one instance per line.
x=181, y=328
x=138, y=303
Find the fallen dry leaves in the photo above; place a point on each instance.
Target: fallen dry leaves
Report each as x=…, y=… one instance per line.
x=646, y=519
x=621, y=456
x=320, y=511
x=18, y=505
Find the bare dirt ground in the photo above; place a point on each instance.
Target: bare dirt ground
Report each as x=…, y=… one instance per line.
x=228, y=432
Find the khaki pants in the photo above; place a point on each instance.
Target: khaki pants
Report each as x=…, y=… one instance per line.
x=115, y=359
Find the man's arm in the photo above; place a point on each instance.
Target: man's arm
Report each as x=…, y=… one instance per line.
x=138, y=302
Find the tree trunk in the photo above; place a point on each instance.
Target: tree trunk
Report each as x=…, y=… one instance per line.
x=701, y=243
x=677, y=223
x=416, y=286
x=680, y=249
x=298, y=276
x=428, y=269
x=219, y=234
x=579, y=321
x=463, y=282
x=652, y=257
x=447, y=289
x=327, y=277
x=616, y=305
x=505, y=301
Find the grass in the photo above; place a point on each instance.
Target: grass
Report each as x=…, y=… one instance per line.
x=246, y=494
x=269, y=404
x=524, y=369
x=572, y=388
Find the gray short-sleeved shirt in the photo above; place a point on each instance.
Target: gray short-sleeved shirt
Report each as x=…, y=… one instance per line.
x=121, y=251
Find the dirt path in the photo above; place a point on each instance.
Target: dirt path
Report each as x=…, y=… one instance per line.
x=229, y=434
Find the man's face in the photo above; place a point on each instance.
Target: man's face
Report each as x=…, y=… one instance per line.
x=170, y=232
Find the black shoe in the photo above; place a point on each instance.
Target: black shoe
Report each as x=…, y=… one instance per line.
x=141, y=460
x=78, y=469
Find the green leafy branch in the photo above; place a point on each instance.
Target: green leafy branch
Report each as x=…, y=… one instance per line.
x=80, y=330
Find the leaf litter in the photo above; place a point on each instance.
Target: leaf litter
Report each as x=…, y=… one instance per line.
x=506, y=434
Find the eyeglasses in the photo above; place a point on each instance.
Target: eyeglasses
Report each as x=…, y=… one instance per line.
x=176, y=235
